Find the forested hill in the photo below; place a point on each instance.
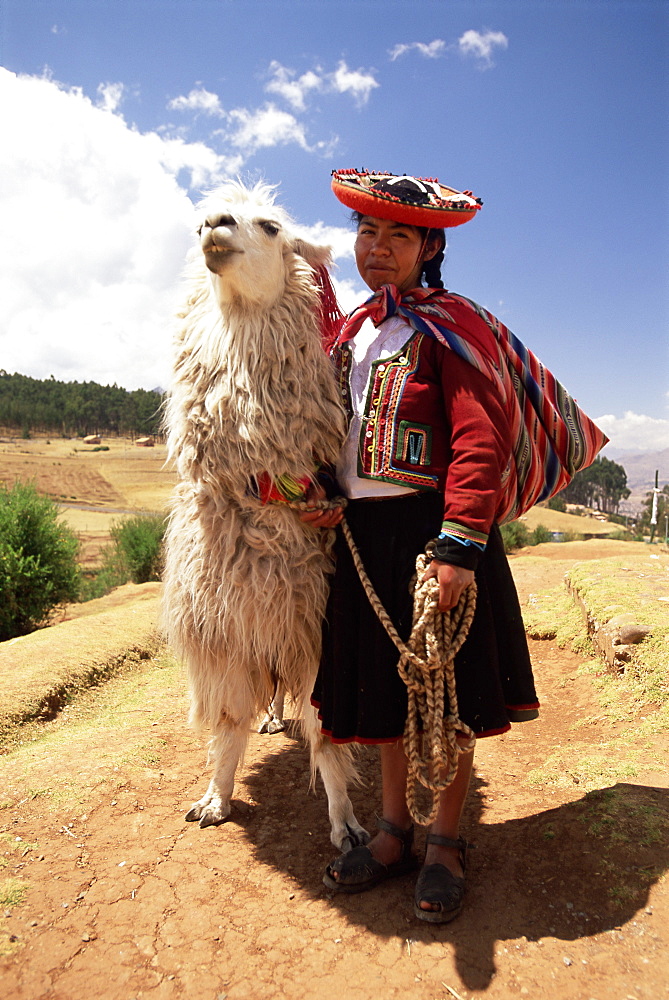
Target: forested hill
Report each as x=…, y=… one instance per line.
x=47, y=406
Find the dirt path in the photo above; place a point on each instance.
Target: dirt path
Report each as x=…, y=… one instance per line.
x=567, y=896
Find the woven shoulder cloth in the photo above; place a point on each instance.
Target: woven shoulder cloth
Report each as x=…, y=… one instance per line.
x=552, y=438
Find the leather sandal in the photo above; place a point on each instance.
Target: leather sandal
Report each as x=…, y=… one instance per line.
x=437, y=885
x=358, y=870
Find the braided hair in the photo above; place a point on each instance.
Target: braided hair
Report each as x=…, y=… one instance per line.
x=432, y=268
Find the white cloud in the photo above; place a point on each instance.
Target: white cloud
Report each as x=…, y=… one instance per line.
x=249, y=129
x=94, y=234
x=348, y=287
x=356, y=82
x=111, y=95
x=204, y=166
x=97, y=223
x=292, y=89
x=430, y=50
x=479, y=45
x=339, y=238
x=200, y=100
x=264, y=127
x=349, y=293
x=482, y=45
x=635, y=431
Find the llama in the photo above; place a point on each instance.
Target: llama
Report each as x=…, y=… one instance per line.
x=252, y=401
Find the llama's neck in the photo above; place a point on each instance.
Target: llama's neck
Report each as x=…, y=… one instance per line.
x=254, y=390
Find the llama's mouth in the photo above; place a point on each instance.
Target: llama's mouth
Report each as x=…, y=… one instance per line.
x=221, y=250
x=219, y=259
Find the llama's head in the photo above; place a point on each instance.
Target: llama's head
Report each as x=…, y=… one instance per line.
x=247, y=240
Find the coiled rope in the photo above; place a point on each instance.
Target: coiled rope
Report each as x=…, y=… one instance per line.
x=427, y=667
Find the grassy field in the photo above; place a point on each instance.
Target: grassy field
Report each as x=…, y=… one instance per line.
x=95, y=488
x=556, y=520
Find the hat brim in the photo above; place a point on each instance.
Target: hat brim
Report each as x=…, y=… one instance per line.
x=353, y=189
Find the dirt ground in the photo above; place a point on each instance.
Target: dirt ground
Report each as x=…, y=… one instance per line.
x=108, y=893
x=567, y=892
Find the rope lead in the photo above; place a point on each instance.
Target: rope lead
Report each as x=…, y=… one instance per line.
x=426, y=665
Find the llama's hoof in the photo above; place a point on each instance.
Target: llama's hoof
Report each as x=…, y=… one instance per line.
x=270, y=724
x=207, y=815
x=355, y=836
x=211, y=819
x=358, y=835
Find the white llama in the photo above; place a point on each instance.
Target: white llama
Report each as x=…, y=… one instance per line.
x=252, y=396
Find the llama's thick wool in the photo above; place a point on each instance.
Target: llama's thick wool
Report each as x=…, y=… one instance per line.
x=252, y=393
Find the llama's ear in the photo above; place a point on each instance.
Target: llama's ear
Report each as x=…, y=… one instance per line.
x=317, y=256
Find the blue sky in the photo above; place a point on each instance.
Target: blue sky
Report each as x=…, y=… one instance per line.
x=115, y=116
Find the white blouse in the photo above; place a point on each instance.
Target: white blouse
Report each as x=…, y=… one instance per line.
x=370, y=344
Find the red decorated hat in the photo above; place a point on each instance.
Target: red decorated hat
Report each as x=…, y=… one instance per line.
x=415, y=201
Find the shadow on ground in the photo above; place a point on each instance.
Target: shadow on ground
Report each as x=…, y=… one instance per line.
x=569, y=872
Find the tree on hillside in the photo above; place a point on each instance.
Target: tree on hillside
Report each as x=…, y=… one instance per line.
x=76, y=408
x=602, y=485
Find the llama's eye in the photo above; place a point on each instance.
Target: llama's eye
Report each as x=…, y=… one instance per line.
x=271, y=228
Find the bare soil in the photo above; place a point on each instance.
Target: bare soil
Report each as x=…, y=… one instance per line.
x=567, y=894
x=566, y=891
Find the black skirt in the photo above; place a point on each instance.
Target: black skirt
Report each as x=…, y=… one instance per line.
x=359, y=694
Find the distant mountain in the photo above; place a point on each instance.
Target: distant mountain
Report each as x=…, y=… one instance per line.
x=640, y=467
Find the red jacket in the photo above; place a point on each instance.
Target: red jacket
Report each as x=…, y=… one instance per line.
x=434, y=422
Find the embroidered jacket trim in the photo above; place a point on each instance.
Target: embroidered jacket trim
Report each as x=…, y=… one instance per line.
x=384, y=438
x=462, y=533
x=431, y=422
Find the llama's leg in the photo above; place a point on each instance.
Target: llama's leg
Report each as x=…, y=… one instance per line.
x=335, y=764
x=225, y=752
x=273, y=721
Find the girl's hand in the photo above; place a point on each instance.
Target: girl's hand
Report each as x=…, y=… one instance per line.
x=453, y=580
x=320, y=518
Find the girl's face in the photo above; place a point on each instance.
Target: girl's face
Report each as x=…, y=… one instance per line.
x=389, y=252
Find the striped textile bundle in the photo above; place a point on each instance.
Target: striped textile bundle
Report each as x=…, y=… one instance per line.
x=552, y=437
